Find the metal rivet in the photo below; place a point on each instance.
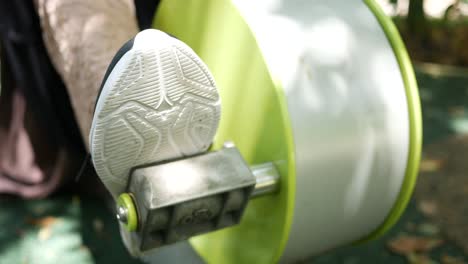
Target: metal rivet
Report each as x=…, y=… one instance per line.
x=122, y=214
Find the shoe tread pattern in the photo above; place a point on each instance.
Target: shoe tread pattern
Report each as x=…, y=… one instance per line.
x=163, y=105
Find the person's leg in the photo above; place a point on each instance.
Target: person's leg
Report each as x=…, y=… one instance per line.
x=157, y=101
x=81, y=37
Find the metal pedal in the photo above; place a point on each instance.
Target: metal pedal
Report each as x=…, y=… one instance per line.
x=174, y=201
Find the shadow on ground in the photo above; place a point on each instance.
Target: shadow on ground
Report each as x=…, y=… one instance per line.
x=78, y=228
x=444, y=100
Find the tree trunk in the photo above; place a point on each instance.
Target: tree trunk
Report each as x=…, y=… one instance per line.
x=416, y=18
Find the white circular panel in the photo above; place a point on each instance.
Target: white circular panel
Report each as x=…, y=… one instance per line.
x=348, y=108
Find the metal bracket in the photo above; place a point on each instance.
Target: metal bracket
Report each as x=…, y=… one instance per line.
x=174, y=201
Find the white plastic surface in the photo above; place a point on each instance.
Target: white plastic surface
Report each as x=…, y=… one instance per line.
x=347, y=105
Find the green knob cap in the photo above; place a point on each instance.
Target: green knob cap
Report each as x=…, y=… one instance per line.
x=126, y=212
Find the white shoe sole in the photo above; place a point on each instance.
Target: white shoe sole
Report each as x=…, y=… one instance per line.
x=158, y=102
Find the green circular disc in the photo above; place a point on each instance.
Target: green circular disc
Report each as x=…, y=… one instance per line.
x=126, y=201
x=254, y=116
x=415, y=118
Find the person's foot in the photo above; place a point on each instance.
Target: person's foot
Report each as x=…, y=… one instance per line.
x=158, y=101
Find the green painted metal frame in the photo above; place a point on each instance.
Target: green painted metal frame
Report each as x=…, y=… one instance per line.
x=415, y=118
x=254, y=116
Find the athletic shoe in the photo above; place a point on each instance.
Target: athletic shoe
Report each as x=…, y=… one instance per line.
x=158, y=101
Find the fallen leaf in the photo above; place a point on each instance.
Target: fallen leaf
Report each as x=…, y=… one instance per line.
x=428, y=229
x=447, y=259
x=44, y=234
x=456, y=111
x=465, y=189
x=98, y=225
x=39, y=210
x=419, y=259
x=410, y=226
x=428, y=207
x=84, y=248
x=19, y=232
x=431, y=165
x=76, y=200
x=43, y=222
x=405, y=244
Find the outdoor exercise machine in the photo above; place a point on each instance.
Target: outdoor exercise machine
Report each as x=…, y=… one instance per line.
x=320, y=123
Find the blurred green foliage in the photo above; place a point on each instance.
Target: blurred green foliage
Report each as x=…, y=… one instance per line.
x=417, y=21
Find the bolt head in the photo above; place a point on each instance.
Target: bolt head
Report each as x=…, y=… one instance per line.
x=126, y=212
x=122, y=214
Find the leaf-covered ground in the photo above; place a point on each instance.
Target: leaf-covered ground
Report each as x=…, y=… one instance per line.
x=434, y=228
x=78, y=228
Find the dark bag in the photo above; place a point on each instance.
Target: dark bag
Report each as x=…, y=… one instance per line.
x=28, y=73
x=34, y=109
